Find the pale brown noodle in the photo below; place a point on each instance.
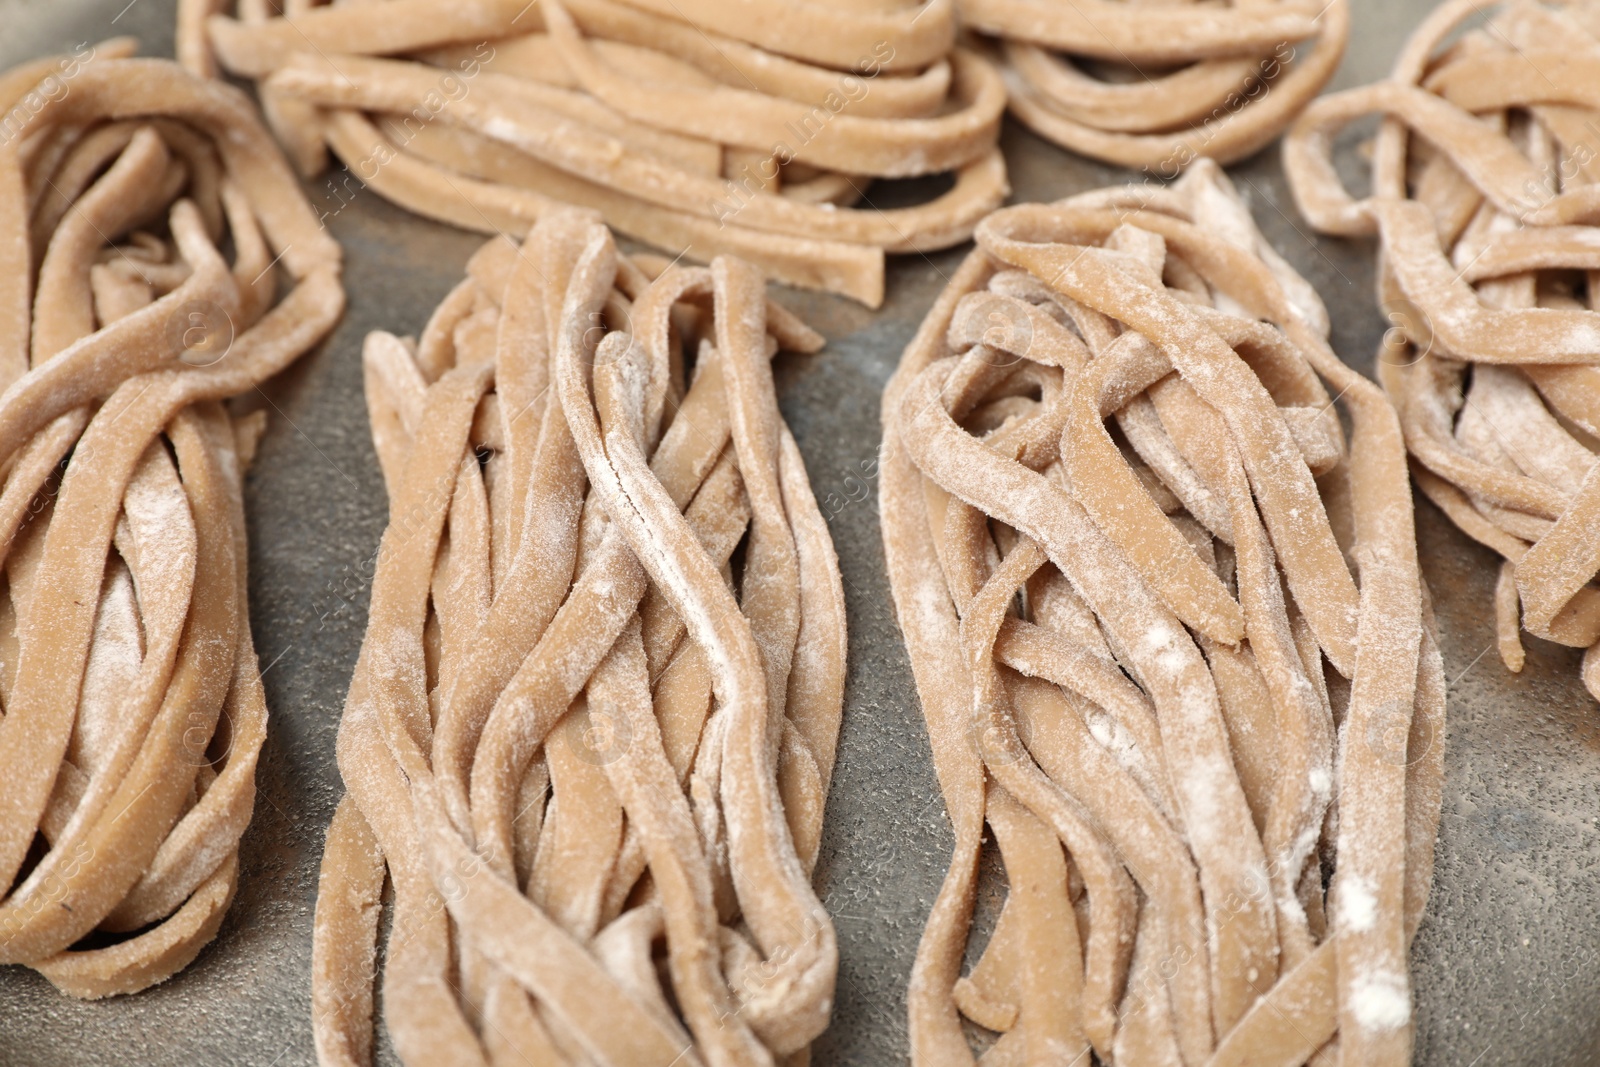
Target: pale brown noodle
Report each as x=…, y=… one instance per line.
x=1485, y=198
x=133, y=708
x=1182, y=662
x=1158, y=85
x=593, y=723
x=705, y=127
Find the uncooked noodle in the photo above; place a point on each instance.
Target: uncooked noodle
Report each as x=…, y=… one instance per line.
x=1158, y=85
x=133, y=706
x=1484, y=199
x=744, y=127
x=1171, y=644
x=592, y=727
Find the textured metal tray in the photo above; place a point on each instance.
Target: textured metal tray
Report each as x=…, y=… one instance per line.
x=1507, y=965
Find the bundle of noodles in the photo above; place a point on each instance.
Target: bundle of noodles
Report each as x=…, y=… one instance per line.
x=1485, y=195
x=1157, y=85
x=133, y=708
x=593, y=723
x=704, y=127
x=1142, y=642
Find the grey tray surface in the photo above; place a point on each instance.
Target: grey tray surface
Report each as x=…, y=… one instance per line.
x=1505, y=965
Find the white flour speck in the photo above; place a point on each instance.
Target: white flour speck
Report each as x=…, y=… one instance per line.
x=1381, y=1001
x=1358, y=907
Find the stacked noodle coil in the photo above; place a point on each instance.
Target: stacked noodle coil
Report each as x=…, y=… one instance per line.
x=133, y=711
x=1157, y=85
x=590, y=735
x=1485, y=198
x=1172, y=646
x=703, y=127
